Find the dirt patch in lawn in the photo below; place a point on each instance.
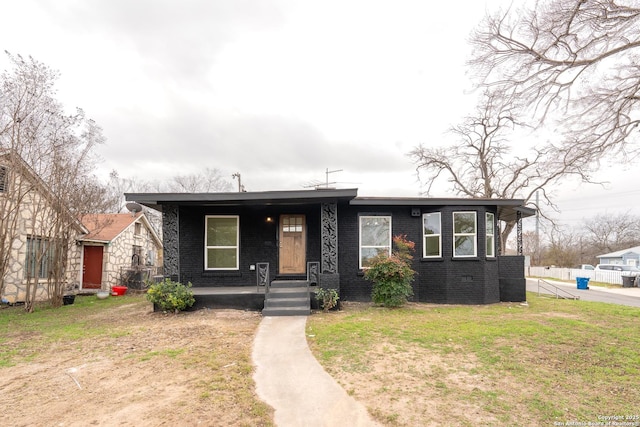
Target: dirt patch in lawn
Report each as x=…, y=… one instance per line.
x=142, y=369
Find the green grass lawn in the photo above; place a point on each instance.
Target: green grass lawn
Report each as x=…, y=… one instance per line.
x=507, y=364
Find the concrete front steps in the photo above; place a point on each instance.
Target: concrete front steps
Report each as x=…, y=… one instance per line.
x=287, y=298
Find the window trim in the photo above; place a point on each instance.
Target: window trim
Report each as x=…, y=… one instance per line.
x=490, y=236
x=474, y=234
x=360, y=246
x=439, y=235
x=206, y=247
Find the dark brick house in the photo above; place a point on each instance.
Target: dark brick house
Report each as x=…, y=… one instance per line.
x=222, y=239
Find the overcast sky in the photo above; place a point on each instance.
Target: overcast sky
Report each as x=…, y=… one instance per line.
x=279, y=91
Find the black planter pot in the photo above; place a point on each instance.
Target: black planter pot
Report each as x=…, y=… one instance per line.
x=68, y=299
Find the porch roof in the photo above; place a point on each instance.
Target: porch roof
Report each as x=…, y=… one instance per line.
x=507, y=208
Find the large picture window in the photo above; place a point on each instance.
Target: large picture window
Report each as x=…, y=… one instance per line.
x=432, y=238
x=375, y=238
x=490, y=235
x=464, y=234
x=38, y=258
x=221, y=242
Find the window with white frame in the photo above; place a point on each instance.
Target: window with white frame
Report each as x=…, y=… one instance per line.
x=432, y=238
x=464, y=234
x=490, y=235
x=222, y=234
x=375, y=238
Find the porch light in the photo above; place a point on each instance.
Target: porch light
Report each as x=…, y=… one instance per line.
x=269, y=220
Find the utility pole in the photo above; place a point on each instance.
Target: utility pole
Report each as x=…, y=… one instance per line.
x=537, y=227
x=239, y=177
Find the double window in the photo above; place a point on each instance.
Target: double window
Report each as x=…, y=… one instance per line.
x=464, y=234
x=375, y=238
x=222, y=236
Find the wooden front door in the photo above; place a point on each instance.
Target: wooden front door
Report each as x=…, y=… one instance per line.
x=92, y=267
x=293, y=244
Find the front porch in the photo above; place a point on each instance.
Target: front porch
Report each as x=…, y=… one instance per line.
x=235, y=297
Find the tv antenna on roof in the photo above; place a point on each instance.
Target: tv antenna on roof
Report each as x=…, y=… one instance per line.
x=318, y=185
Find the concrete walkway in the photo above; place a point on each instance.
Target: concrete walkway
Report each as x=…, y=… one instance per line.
x=292, y=381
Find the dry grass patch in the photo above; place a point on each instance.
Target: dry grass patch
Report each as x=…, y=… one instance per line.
x=119, y=363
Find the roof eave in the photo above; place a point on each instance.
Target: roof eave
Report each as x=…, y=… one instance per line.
x=157, y=200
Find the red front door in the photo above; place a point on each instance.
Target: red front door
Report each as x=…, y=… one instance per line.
x=92, y=268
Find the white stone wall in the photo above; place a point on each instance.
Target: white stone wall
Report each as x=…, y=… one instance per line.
x=34, y=219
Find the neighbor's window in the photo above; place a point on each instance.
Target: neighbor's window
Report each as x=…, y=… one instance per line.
x=375, y=238
x=464, y=234
x=221, y=242
x=136, y=256
x=432, y=245
x=4, y=178
x=491, y=235
x=38, y=258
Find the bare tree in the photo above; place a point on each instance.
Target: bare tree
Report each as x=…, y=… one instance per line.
x=485, y=163
x=208, y=181
x=50, y=164
x=572, y=64
x=561, y=250
x=609, y=233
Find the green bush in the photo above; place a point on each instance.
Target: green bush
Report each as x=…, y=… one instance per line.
x=170, y=295
x=392, y=275
x=328, y=298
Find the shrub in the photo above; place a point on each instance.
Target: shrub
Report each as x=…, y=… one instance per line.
x=328, y=298
x=170, y=295
x=392, y=275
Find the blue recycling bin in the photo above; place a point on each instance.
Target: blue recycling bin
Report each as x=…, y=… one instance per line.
x=582, y=282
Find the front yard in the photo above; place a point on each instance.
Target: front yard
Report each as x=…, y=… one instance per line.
x=117, y=362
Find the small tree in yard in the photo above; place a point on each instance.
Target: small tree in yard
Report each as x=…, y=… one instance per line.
x=392, y=275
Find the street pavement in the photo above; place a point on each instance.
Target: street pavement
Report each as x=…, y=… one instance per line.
x=622, y=296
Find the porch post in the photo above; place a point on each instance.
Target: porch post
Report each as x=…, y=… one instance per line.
x=329, y=275
x=519, y=231
x=171, y=241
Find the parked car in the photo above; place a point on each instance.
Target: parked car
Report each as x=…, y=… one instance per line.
x=631, y=270
x=585, y=267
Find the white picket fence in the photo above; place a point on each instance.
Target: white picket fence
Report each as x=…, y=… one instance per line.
x=604, y=276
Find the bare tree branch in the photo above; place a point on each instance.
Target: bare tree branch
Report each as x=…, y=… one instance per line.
x=572, y=64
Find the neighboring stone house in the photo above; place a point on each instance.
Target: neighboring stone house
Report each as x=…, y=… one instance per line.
x=119, y=250
x=26, y=216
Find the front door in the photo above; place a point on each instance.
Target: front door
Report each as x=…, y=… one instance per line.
x=293, y=245
x=92, y=267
